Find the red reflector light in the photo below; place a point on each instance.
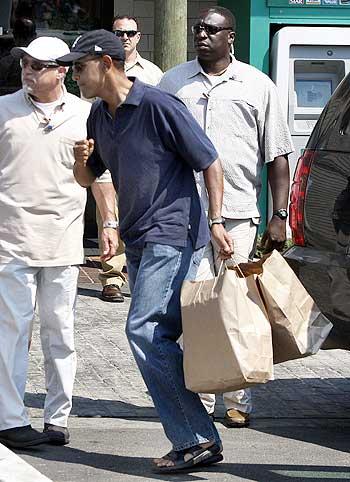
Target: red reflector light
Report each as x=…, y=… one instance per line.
x=297, y=197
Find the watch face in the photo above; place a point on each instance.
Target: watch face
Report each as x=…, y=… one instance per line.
x=220, y=220
x=281, y=213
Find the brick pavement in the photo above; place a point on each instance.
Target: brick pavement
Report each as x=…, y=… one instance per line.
x=89, y=271
x=108, y=383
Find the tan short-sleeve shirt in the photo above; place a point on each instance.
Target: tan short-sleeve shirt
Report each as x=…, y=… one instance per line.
x=41, y=204
x=144, y=70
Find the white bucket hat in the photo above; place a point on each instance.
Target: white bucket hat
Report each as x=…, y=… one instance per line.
x=47, y=49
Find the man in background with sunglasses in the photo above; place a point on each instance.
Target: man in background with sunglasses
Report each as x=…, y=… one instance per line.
x=127, y=30
x=42, y=221
x=238, y=108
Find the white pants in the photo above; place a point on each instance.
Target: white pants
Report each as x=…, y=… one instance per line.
x=54, y=291
x=243, y=233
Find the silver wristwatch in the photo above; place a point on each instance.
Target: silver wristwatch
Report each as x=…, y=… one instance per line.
x=110, y=224
x=281, y=213
x=219, y=220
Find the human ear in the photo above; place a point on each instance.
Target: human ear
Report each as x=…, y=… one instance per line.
x=138, y=36
x=106, y=63
x=62, y=71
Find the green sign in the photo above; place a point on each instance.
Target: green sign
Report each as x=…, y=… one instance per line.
x=309, y=3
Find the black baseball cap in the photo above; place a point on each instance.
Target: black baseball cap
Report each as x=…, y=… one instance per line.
x=97, y=42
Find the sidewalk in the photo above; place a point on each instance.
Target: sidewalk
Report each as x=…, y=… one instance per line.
x=299, y=428
x=115, y=450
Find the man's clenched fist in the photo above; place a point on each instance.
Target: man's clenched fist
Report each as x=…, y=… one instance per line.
x=83, y=150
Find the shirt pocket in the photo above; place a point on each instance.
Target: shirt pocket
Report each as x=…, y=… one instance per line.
x=65, y=154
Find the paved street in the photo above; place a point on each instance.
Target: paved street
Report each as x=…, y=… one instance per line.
x=299, y=429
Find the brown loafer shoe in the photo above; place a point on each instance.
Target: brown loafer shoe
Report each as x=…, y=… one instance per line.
x=57, y=435
x=236, y=418
x=22, y=437
x=112, y=293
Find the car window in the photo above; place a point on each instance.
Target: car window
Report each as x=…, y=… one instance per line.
x=326, y=206
x=332, y=131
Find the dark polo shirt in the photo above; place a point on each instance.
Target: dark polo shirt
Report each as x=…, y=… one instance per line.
x=151, y=148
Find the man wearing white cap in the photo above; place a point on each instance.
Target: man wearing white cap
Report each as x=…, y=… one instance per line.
x=41, y=216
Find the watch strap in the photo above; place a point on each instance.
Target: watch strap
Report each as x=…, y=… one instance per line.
x=110, y=224
x=281, y=213
x=219, y=220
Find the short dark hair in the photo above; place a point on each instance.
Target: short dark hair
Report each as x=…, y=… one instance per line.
x=127, y=17
x=119, y=64
x=224, y=12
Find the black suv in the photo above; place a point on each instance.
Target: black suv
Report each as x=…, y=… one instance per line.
x=320, y=215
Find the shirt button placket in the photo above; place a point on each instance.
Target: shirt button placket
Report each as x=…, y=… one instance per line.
x=208, y=116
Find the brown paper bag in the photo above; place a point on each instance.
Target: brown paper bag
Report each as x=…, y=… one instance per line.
x=226, y=334
x=298, y=326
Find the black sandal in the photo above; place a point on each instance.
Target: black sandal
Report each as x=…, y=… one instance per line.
x=200, y=457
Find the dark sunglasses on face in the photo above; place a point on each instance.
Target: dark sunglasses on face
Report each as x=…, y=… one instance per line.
x=78, y=68
x=129, y=33
x=208, y=29
x=37, y=66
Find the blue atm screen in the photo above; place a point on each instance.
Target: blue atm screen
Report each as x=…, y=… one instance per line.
x=313, y=93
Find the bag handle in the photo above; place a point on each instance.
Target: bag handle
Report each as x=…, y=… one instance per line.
x=224, y=265
x=237, y=265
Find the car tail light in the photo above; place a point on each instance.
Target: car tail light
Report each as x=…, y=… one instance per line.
x=297, y=196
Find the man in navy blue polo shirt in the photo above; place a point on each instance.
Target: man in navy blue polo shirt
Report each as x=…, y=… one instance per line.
x=151, y=144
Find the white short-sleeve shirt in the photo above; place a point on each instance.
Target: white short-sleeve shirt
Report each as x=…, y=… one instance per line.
x=241, y=114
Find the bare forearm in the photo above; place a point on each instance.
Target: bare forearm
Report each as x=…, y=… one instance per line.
x=105, y=197
x=214, y=182
x=83, y=175
x=278, y=176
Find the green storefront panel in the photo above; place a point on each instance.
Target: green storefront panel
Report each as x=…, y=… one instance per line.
x=333, y=4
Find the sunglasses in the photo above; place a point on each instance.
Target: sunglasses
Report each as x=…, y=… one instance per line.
x=78, y=67
x=129, y=33
x=208, y=29
x=36, y=66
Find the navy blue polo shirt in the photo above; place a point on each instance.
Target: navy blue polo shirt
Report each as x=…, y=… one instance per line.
x=151, y=148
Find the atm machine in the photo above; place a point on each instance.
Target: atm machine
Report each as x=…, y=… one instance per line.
x=307, y=66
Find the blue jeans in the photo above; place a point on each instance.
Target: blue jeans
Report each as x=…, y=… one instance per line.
x=154, y=325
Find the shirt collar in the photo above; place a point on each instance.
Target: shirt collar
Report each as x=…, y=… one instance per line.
x=29, y=99
x=139, y=61
x=134, y=96
x=232, y=72
x=136, y=92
